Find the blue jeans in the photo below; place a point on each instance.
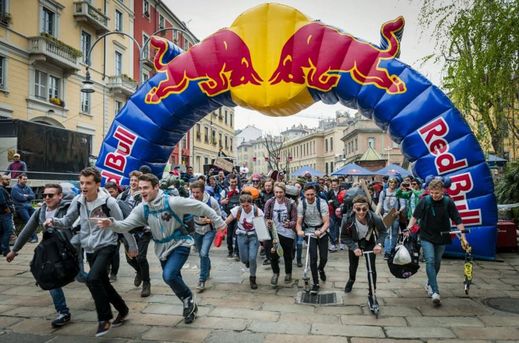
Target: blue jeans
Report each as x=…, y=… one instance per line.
x=392, y=237
x=248, y=249
x=58, y=298
x=433, y=258
x=334, y=229
x=171, y=272
x=25, y=214
x=203, y=244
x=6, y=228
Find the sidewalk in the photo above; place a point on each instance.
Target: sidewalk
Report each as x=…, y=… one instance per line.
x=229, y=311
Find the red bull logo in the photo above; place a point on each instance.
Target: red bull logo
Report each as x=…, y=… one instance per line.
x=323, y=53
x=220, y=62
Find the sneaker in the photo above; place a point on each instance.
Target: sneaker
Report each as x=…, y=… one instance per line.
x=349, y=286
x=103, y=328
x=315, y=289
x=386, y=257
x=61, y=319
x=274, y=280
x=332, y=248
x=299, y=264
x=113, y=277
x=247, y=265
x=429, y=290
x=288, y=278
x=146, y=289
x=436, y=299
x=138, y=280
x=322, y=275
x=119, y=320
x=230, y=256
x=342, y=246
x=34, y=240
x=190, y=310
x=201, y=286
x=266, y=262
x=237, y=258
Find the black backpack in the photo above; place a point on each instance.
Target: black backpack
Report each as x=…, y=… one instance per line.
x=55, y=262
x=405, y=271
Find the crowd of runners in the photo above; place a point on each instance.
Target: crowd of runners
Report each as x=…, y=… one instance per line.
x=259, y=215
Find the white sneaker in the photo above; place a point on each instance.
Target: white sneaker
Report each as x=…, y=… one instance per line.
x=342, y=246
x=436, y=299
x=429, y=290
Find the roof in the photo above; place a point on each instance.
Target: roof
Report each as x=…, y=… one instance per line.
x=371, y=155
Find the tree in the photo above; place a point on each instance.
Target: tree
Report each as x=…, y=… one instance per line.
x=274, y=145
x=477, y=42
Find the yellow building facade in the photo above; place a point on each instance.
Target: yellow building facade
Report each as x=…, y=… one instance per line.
x=43, y=55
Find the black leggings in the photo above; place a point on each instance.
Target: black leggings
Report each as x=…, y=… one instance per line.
x=354, y=264
x=320, y=244
x=288, y=252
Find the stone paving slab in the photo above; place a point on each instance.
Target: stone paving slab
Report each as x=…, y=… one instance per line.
x=231, y=312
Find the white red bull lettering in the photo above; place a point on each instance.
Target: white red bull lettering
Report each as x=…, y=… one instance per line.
x=125, y=141
x=461, y=185
x=432, y=135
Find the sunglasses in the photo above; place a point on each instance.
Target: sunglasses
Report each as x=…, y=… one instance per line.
x=48, y=195
x=361, y=209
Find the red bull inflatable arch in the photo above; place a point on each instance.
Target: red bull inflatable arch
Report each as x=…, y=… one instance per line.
x=275, y=60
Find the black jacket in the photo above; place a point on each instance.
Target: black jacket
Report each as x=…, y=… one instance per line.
x=349, y=230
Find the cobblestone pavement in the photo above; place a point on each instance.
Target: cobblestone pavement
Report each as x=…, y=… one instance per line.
x=229, y=311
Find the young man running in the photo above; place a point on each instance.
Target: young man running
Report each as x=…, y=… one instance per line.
x=99, y=245
x=204, y=231
x=312, y=218
x=163, y=213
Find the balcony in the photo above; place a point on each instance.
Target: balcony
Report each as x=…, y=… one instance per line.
x=5, y=18
x=84, y=11
x=122, y=84
x=51, y=50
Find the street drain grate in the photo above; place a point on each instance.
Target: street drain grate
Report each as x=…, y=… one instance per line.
x=510, y=305
x=318, y=299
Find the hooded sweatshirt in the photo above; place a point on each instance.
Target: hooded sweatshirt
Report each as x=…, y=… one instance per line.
x=91, y=236
x=37, y=219
x=211, y=202
x=163, y=224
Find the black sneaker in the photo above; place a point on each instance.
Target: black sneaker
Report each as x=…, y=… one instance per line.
x=103, y=328
x=138, y=280
x=113, y=277
x=322, y=275
x=61, y=319
x=190, y=310
x=230, y=255
x=349, y=286
x=146, y=289
x=315, y=289
x=119, y=320
x=266, y=262
x=201, y=286
x=299, y=264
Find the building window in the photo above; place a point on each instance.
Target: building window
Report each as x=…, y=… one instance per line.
x=230, y=120
x=213, y=136
x=40, y=84
x=226, y=118
x=206, y=135
x=48, y=21
x=371, y=142
x=118, y=106
x=85, y=102
x=3, y=72
x=220, y=140
x=230, y=144
x=118, y=63
x=356, y=145
x=226, y=143
x=162, y=22
x=331, y=143
x=54, y=87
x=206, y=160
x=326, y=146
x=146, y=54
x=331, y=167
x=146, y=8
x=396, y=145
x=118, y=21
x=198, y=133
x=86, y=41
x=326, y=168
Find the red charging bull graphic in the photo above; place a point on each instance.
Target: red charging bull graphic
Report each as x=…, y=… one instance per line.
x=311, y=62
x=323, y=52
x=221, y=62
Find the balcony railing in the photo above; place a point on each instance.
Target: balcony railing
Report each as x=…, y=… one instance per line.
x=84, y=11
x=122, y=84
x=52, y=50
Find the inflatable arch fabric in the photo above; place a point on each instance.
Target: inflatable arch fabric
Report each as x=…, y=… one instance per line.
x=275, y=60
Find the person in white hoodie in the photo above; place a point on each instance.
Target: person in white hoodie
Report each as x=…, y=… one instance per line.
x=204, y=231
x=99, y=245
x=163, y=213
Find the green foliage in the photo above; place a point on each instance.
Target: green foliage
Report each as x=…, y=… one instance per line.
x=478, y=41
x=507, y=189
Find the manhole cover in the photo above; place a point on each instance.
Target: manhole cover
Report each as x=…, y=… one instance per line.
x=503, y=304
x=318, y=299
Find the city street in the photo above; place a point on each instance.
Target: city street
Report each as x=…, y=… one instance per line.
x=229, y=311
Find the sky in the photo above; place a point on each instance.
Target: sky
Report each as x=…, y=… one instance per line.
x=361, y=18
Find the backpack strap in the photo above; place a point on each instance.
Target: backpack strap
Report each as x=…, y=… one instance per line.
x=105, y=208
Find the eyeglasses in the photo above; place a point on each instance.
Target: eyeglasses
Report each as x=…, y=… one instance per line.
x=48, y=195
x=414, y=183
x=361, y=209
